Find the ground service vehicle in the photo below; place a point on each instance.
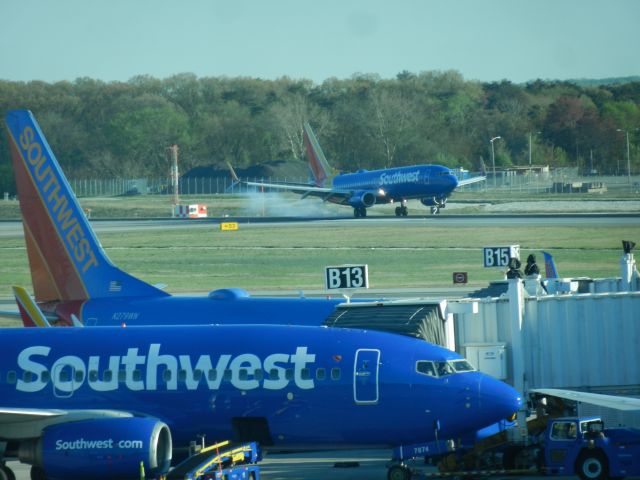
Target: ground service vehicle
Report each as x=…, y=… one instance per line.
x=567, y=446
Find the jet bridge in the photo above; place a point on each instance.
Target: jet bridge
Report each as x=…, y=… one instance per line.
x=423, y=319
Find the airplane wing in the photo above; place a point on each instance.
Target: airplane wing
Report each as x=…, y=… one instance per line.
x=469, y=181
x=326, y=194
x=21, y=423
x=15, y=415
x=609, y=401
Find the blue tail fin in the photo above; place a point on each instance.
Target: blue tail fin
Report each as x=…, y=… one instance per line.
x=550, y=266
x=67, y=262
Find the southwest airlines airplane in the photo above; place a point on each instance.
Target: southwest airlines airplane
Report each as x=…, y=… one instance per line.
x=431, y=184
x=78, y=403
x=75, y=282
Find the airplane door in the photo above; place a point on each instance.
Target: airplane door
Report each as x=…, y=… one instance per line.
x=365, y=376
x=64, y=380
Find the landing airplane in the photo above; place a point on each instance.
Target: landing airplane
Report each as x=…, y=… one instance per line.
x=73, y=279
x=80, y=403
x=431, y=184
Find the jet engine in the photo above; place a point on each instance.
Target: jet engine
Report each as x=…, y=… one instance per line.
x=439, y=202
x=105, y=448
x=362, y=199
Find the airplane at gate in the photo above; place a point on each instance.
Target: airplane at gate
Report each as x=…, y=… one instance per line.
x=80, y=403
x=73, y=279
x=431, y=184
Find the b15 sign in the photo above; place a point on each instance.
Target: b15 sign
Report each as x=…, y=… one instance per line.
x=499, y=256
x=346, y=277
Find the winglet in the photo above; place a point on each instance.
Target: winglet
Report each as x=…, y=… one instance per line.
x=317, y=161
x=66, y=259
x=550, y=266
x=31, y=314
x=233, y=172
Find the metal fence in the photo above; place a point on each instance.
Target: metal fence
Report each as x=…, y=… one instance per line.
x=162, y=186
x=557, y=181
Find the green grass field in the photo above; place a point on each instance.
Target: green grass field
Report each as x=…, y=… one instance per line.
x=262, y=257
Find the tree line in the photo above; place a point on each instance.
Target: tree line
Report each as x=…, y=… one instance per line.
x=122, y=129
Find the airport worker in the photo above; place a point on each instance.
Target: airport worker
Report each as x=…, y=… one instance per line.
x=531, y=268
x=514, y=268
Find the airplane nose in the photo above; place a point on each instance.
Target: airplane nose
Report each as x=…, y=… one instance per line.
x=498, y=400
x=454, y=181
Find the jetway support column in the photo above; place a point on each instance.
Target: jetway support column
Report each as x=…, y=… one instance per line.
x=516, y=313
x=628, y=272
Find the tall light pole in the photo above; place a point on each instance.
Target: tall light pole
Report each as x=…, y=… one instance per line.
x=626, y=132
x=530, y=148
x=493, y=159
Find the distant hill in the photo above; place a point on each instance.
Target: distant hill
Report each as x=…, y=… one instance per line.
x=596, y=82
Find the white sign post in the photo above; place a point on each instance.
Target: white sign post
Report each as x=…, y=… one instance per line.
x=499, y=256
x=346, y=278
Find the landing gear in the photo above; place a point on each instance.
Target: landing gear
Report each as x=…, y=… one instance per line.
x=402, y=211
x=435, y=210
x=6, y=473
x=360, y=212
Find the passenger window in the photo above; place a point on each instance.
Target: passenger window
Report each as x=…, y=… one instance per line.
x=273, y=374
x=227, y=375
x=305, y=374
x=46, y=376
x=321, y=374
x=64, y=375
x=108, y=376
x=78, y=376
x=288, y=374
x=11, y=377
x=93, y=375
x=166, y=375
x=28, y=377
x=213, y=374
x=122, y=376
x=243, y=374
x=335, y=374
x=426, y=368
x=137, y=375
x=197, y=374
x=258, y=374
x=182, y=375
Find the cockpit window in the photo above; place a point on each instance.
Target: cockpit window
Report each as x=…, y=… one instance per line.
x=462, y=366
x=442, y=369
x=426, y=368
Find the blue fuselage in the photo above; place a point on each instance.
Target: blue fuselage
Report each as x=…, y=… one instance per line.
x=310, y=386
x=402, y=183
x=190, y=310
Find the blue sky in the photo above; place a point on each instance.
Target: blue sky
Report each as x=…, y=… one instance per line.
x=487, y=40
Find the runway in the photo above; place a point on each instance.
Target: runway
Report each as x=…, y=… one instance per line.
x=14, y=228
